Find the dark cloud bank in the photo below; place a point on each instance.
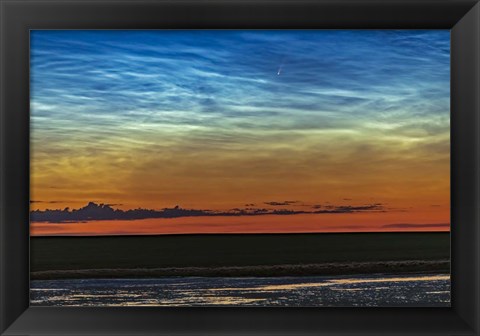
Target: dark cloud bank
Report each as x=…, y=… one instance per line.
x=94, y=211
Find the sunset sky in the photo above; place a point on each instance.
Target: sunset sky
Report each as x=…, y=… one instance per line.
x=261, y=131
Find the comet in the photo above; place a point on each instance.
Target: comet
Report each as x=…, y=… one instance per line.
x=280, y=68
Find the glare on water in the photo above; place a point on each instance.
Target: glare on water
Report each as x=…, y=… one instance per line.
x=379, y=290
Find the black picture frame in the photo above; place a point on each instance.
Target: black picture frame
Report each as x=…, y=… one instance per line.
x=18, y=17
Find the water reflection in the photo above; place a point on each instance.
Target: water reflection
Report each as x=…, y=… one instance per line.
x=380, y=290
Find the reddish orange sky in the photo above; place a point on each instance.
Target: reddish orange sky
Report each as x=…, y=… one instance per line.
x=258, y=224
x=356, y=121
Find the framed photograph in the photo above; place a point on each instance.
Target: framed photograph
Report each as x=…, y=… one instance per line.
x=233, y=167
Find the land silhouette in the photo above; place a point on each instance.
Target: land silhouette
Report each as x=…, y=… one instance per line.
x=239, y=255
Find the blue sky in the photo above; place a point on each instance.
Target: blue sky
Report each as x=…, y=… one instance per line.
x=315, y=115
x=206, y=75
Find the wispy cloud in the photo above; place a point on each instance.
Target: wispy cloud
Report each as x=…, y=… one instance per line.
x=114, y=81
x=48, y=202
x=283, y=203
x=363, y=114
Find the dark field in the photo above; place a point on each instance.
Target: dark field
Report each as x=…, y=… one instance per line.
x=239, y=255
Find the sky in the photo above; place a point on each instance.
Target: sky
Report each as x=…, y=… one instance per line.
x=213, y=131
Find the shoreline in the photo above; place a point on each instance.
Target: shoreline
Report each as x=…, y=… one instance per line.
x=320, y=269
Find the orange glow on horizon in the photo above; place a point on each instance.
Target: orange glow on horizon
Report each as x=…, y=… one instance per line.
x=242, y=224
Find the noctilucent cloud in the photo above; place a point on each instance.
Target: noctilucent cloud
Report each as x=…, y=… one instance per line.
x=222, y=120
